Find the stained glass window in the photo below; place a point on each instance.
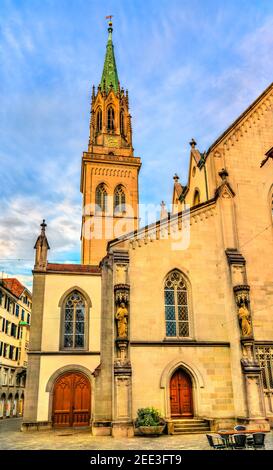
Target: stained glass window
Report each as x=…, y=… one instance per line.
x=74, y=321
x=176, y=305
x=119, y=199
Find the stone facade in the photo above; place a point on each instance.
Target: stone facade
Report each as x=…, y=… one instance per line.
x=191, y=293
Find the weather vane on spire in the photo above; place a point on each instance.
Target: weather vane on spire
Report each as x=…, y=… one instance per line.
x=109, y=18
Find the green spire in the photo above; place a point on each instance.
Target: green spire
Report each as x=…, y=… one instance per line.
x=110, y=73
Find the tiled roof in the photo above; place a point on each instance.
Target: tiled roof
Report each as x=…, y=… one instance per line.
x=14, y=286
x=73, y=268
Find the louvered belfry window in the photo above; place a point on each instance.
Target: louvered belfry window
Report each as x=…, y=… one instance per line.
x=99, y=120
x=176, y=306
x=110, y=119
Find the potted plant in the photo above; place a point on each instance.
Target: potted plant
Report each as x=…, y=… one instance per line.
x=149, y=421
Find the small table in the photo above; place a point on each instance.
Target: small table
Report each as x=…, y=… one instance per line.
x=246, y=431
x=232, y=432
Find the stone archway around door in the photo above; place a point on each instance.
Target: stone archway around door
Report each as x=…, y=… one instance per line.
x=181, y=395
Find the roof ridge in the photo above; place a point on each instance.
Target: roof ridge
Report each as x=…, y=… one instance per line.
x=240, y=118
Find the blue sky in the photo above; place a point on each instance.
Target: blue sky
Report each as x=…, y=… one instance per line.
x=191, y=67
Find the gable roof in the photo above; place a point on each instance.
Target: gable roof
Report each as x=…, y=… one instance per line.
x=14, y=286
x=72, y=268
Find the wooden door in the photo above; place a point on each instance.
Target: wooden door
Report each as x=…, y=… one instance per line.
x=181, y=395
x=71, y=400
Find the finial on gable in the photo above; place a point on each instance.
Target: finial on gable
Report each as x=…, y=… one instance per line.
x=193, y=143
x=43, y=225
x=223, y=174
x=176, y=178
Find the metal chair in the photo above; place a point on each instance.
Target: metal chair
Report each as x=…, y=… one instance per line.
x=258, y=440
x=226, y=438
x=238, y=441
x=216, y=442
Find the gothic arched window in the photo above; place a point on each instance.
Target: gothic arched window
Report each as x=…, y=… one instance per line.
x=196, y=197
x=75, y=321
x=122, y=122
x=119, y=199
x=101, y=198
x=176, y=305
x=99, y=120
x=110, y=119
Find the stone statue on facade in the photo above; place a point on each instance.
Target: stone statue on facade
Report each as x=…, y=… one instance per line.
x=121, y=317
x=245, y=322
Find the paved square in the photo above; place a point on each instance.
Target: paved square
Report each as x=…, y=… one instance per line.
x=66, y=439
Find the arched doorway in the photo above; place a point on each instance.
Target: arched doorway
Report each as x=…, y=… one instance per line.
x=71, y=400
x=2, y=405
x=15, y=405
x=181, y=395
x=8, y=407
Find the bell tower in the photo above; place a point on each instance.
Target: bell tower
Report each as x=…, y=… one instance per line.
x=109, y=173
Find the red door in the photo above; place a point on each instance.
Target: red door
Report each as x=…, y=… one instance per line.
x=71, y=400
x=181, y=395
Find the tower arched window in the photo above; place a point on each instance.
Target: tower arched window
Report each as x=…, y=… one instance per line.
x=99, y=120
x=74, y=321
x=101, y=198
x=119, y=199
x=176, y=306
x=110, y=118
x=122, y=122
x=196, y=197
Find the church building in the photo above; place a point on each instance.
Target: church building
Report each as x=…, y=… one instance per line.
x=177, y=314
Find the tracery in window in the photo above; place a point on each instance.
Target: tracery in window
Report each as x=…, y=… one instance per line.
x=74, y=321
x=176, y=305
x=101, y=198
x=119, y=199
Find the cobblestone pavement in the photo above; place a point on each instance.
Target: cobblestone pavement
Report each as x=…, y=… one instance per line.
x=64, y=439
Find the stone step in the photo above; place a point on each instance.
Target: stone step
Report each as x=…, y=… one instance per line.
x=190, y=426
x=176, y=421
x=176, y=433
x=197, y=428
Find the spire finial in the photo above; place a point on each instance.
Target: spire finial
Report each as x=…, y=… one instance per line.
x=176, y=178
x=43, y=225
x=110, y=24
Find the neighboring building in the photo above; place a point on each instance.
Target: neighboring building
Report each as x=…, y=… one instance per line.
x=142, y=322
x=15, y=318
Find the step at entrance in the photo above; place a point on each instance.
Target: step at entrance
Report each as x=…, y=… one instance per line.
x=190, y=426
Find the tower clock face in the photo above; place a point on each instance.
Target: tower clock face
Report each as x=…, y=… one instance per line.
x=111, y=141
